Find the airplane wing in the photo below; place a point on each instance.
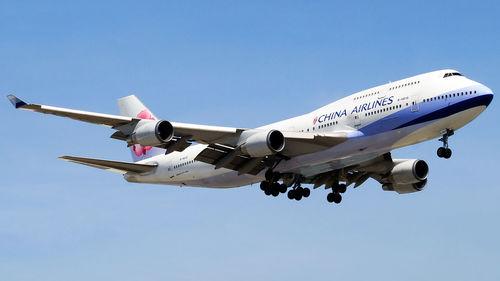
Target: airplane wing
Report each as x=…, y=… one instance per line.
x=223, y=142
x=90, y=117
x=199, y=133
x=382, y=168
x=114, y=166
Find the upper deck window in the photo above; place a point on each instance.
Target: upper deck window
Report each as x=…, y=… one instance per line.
x=452, y=74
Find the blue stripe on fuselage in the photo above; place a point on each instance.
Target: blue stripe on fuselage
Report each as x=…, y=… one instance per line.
x=451, y=109
x=427, y=111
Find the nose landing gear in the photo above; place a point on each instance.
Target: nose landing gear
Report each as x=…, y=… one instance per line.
x=445, y=151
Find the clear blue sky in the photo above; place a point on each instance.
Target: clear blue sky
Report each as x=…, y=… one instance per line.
x=239, y=64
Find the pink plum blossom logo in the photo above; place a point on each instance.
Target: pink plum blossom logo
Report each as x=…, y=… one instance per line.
x=138, y=149
x=315, y=120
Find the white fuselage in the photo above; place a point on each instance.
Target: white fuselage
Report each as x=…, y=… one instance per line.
x=379, y=119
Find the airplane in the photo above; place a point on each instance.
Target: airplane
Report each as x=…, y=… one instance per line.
x=341, y=144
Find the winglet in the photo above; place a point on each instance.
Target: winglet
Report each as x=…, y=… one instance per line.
x=16, y=102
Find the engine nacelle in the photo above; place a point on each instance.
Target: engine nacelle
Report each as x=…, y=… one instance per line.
x=405, y=188
x=152, y=133
x=408, y=171
x=263, y=143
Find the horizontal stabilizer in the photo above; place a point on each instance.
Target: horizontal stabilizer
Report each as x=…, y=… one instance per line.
x=114, y=166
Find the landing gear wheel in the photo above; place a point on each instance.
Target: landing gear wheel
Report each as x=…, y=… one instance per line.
x=447, y=153
x=275, y=189
x=267, y=191
x=342, y=188
x=291, y=194
x=329, y=197
x=264, y=185
x=275, y=192
x=306, y=192
x=441, y=152
x=298, y=195
x=334, y=197
x=337, y=198
x=283, y=188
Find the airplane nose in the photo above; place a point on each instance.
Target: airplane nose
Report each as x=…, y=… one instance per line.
x=488, y=95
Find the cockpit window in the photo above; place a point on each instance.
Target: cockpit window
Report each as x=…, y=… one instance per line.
x=452, y=74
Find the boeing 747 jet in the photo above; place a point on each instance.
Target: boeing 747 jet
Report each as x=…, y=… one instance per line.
x=338, y=145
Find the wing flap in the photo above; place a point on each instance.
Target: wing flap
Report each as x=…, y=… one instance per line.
x=214, y=153
x=110, y=165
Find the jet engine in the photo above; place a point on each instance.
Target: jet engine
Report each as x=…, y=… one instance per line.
x=405, y=188
x=407, y=175
x=151, y=133
x=263, y=143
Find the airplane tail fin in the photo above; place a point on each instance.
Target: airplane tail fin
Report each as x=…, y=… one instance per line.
x=131, y=106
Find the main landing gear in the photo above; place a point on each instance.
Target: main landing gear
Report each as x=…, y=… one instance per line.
x=271, y=186
x=444, y=151
x=335, y=196
x=298, y=192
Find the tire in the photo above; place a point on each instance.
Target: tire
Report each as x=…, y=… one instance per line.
x=337, y=198
x=275, y=192
x=283, y=188
x=329, y=197
x=298, y=195
x=447, y=153
x=441, y=152
x=342, y=188
x=291, y=194
x=264, y=185
x=306, y=192
x=267, y=191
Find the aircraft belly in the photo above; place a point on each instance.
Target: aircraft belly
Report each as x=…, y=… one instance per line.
x=431, y=130
x=227, y=180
